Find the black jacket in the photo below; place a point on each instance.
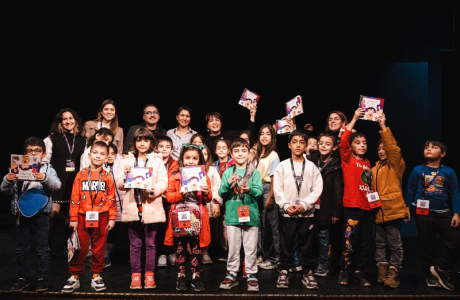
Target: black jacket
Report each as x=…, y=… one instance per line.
x=332, y=196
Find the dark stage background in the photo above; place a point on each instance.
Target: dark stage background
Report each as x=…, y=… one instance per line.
x=204, y=56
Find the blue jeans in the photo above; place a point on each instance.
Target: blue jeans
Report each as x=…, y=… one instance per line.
x=323, y=241
x=269, y=234
x=28, y=228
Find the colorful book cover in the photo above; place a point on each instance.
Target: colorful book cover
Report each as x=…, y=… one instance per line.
x=191, y=178
x=139, y=178
x=294, y=107
x=248, y=99
x=24, y=166
x=73, y=245
x=373, y=107
x=283, y=126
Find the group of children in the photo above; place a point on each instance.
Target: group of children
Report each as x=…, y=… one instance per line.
x=258, y=210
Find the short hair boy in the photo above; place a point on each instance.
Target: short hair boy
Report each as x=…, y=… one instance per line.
x=35, y=227
x=433, y=188
x=297, y=185
x=93, y=211
x=240, y=187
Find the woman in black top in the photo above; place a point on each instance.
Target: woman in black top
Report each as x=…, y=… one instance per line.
x=64, y=146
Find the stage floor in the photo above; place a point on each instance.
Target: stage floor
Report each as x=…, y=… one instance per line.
x=117, y=277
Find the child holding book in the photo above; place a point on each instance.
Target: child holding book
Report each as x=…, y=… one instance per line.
x=165, y=253
x=93, y=211
x=266, y=161
x=190, y=155
x=35, y=227
x=359, y=219
x=432, y=191
x=297, y=187
x=387, y=179
x=329, y=208
x=240, y=187
x=143, y=208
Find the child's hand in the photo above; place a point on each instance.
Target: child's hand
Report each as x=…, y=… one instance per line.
x=11, y=177
x=245, y=188
x=407, y=219
x=40, y=176
x=110, y=225
x=204, y=189
x=299, y=209
x=216, y=210
x=308, y=127
x=291, y=210
x=252, y=113
x=184, y=195
x=149, y=193
x=455, y=220
x=335, y=220
x=232, y=179
x=359, y=113
x=382, y=120
x=74, y=225
x=127, y=169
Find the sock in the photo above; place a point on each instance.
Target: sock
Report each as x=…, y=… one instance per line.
x=95, y=275
x=76, y=276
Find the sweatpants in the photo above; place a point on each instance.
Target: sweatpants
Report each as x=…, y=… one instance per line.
x=304, y=227
x=359, y=225
x=97, y=236
x=195, y=255
x=247, y=236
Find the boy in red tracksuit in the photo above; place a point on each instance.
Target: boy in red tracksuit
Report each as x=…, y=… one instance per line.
x=93, y=211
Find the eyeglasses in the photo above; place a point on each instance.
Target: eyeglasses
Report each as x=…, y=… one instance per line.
x=334, y=119
x=33, y=151
x=154, y=112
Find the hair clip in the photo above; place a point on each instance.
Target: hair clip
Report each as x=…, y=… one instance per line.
x=199, y=147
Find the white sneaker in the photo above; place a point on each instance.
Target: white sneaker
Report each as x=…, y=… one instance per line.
x=206, y=258
x=172, y=259
x=267, y=265
x=71, y=285
x=162, y=261
x=98, y=284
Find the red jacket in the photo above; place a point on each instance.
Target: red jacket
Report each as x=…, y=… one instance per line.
x=104, y=201
x=174, y=196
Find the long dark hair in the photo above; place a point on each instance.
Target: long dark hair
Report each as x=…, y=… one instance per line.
x=114, y=121
x=56, y=125
x=208, y=162
x=102, y=132
x=270, y=147
x=189, y=147
x=143, y=133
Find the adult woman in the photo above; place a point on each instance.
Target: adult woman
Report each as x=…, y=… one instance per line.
x=64, y=147
x=106, y=117
x=182, y=133
x=214, y=123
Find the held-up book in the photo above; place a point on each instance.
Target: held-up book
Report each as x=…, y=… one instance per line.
x=248, y=99
x=25, y=166
x=283, y=126
x=191, y=178
x=73, y=245
x=373, y=107
x=294, y=107
x=139, y=178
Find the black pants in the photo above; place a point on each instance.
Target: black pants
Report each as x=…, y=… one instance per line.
x=163, y=249
x=427, y=227
x=306, y=233
x=358, y=238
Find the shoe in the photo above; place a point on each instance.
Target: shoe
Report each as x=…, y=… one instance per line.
x=42, y=285
x=98, y=284
x=136, y=281
x=259, y=259
x=71, y=285
x=392, y=278
x=163, y=261
x=149, y=281
x=267, y=265
x=310, y=281
x=321, y=270
x=432, y=281
x=223, y=256
x=443, y=278
x=181, y=284
x=206, y=259
x=253, y=283
x=19, y=284
x=229, y=282
x=383, y=271
x=283, y=280
x=197, y=284
x=107, y=262
x=172, y=259
x=343, y=277
x=361, y=279
x=88, y=261
x=245, y=275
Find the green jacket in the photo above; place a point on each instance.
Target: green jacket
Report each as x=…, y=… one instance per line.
x=250, y=199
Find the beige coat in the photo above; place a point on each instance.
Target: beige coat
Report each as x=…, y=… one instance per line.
x=91, y=127
x=152, y=207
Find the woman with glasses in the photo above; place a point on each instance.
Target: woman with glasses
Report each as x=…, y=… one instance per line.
x=106, y=117
x=64, y=147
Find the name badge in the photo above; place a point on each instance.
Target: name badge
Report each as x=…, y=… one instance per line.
x=423, y=207
x=92, y=219
x=297, y=201
x=184, y=219
x=69, y=165
x=374, y=200
x=243, y=214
